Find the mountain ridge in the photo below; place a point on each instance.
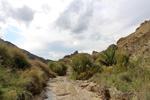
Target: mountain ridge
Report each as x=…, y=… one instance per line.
x=30, y=55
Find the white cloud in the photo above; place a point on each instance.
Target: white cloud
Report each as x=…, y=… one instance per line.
x=54, y=28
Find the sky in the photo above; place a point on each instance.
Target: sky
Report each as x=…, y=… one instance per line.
x=55, y=28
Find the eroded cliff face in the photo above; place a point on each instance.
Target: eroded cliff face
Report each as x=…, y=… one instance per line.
x=138, y=43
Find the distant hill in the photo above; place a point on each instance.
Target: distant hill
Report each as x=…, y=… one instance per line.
x=30, y=55
x=137, y=44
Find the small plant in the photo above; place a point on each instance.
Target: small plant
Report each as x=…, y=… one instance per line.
x=82, y=67
x=58, y=67
x=108, y=57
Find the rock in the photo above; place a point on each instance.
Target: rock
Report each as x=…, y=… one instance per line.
x=120, y=40
x=105, y=94
x=113, y=46
x=76, y=52
x=137, y=43
x=85, y=84
x=141, y=25
x=62, y=90
x=91, y=87
x=118, y=95
x=94, y=52
x=68, y=56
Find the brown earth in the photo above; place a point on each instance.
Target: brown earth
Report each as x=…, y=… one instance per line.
x=62, y=88
x=138, y=43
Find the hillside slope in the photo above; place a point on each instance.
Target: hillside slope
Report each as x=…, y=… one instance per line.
x=138, y=43
x=30, y=55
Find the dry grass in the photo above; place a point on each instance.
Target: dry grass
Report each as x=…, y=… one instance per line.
x=20, y=60
x=133, y=79
x=5, y=55
x=43, y=67
x=20, y=78
x=33, y=79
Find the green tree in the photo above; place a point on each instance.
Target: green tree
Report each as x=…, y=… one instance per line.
x=108, y=57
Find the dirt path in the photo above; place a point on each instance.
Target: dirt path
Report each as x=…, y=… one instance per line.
x=61, y=88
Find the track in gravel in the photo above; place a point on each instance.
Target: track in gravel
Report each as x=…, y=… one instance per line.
x=62, y=88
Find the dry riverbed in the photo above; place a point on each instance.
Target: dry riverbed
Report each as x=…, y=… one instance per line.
x=62, y=88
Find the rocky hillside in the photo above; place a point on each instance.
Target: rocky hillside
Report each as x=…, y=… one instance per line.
x=138, y=43
x=30, y=55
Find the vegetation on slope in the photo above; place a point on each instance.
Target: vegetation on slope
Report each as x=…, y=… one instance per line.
x=136, y=44
x=114, y=70
x=20, y=78
x=132, y=80
x=83, y=67
x=58, y=67
x=108, y=57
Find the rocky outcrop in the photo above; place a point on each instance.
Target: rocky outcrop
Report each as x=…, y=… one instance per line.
x=94, y=52
x=120, y=40
x=69, y=56
x=141, y=25
x=95, y=55
x=113, y=46
x=66, y=59
x=138, y=43
x=106, y=93
x=102, y=92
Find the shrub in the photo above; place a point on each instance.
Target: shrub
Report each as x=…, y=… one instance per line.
x=1, y=94
x=44, y=68
x=132, y=79
x=8, y=84
x=81, y=63
x=82, y=67
x=122, y=59
x=20, y=84
x=20, y=60
x=5, y=55
x=33, y=80
x=107, y=70
x=108, y=57
x=58, y=67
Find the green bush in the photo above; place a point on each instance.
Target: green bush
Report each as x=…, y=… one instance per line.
x=122, y=59
x=13, y=57
x=82, y=67
x=16, y=84
x=5, y=55
x=108, y=57
x=20, y=60
x=132, y=79
x=58, y=67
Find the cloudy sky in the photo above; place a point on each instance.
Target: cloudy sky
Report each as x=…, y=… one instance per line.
x=54, y=28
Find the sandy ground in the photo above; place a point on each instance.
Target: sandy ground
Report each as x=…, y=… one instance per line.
x=62, y=88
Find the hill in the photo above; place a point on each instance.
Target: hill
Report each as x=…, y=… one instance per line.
x=30, y=55
x=20, y=77
x=138, y=43
x=122, y=70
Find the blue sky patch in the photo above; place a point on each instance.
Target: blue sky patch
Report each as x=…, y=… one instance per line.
x=11, y=34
